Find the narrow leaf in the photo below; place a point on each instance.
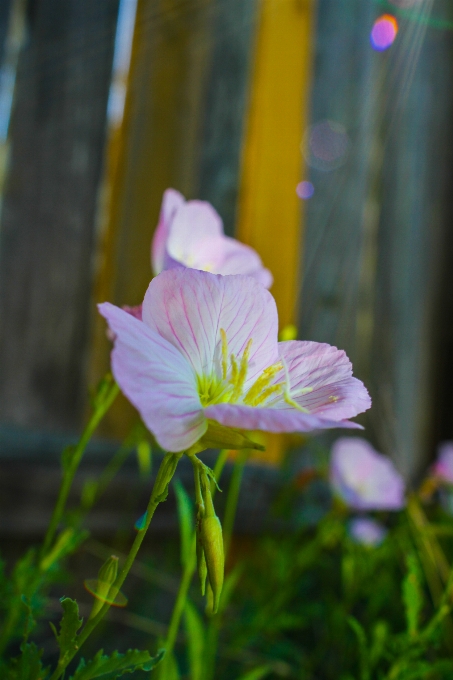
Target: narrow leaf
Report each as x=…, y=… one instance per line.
x=412, y=594
x=186, y=522
x=196, y=635
x=257, y=673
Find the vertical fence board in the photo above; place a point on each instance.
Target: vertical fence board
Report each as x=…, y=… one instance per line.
x=57, y=131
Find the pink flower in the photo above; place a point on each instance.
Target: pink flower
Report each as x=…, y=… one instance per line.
x=366, y=531
x=190, y=234
x=363, y=478
x=443, y=467
x=205, y=361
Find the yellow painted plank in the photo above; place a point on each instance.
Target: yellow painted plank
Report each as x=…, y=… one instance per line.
x=270, y=218
x=270, y=210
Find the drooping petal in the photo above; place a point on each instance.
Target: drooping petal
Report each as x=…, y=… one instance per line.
x=171, y=201
x=192, y=223
x=157, y=379
x=364, y=478
x=272, y=419
x=443, y=467
x=189, y=307
x=335, y=394
x=237, y=258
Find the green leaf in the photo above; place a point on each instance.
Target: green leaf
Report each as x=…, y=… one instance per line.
x=69, y=625
x=361, y=639
x=28, y=665
x=116, y=665
x=412, y=594
x=257, y=673
x=196, y=636
x=186, y=522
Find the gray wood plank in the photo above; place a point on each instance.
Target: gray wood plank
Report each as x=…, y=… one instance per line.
x=47, y=228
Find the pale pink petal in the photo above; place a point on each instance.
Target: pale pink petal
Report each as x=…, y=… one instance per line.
x=335, y=393
x=364, y=478
x=192, y=223
x=189, y=307
x=367, y=531
x=237, y=258
x=271, y=419
x=156, y=379
x=443, y=467
x=171, y=201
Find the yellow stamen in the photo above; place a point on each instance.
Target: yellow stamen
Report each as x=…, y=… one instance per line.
x=266, y=393
x=293, y=403
x=242, y=375
x=224, y=353
x=262, y=382
x=332, y=398
x=234, y=370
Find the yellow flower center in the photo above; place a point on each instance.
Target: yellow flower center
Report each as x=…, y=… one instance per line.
x=230, y=387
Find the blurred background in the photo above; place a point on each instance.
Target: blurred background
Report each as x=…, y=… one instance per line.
x=322, y=132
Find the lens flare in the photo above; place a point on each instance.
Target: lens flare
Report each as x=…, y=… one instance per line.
x=103, y=592
x=305, y=190
x=325, y=146
x=384, y=32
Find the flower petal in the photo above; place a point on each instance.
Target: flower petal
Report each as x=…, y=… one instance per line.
x=336, y=394
x=272, y=419
x=237, y=258
x=364, y=478
x=171, y=201
x=193, y=223
x=189, y=307
x=157, y=379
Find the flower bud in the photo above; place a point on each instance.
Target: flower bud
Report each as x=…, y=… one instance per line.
x=212, y=542
x=201, y=564
x=102, y=587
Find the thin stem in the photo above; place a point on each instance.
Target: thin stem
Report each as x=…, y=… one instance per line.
x=189, y=569
x=156, y=497
x=233, y=498
x=69, y=473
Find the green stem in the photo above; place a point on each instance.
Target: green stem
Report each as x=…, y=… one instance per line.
x=233, y=498
x=186, y=579
x=157, y=496
x=71, y=469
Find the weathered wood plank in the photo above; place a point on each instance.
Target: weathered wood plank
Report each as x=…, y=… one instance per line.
x=375, y=225
x=233, y=38
x=57, y=132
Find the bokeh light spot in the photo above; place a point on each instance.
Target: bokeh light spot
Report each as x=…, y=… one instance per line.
x=325, y=145
x=384, y=32
x=305, y=190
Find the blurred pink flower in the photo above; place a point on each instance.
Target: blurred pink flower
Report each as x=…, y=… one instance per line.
x=363, y=478
x=207, y=350
x=443, y=467
x=190, y=234
x=366, y=531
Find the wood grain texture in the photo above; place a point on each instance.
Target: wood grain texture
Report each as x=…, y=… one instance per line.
x=224, y=115
x=374, y=228
x=47, y=229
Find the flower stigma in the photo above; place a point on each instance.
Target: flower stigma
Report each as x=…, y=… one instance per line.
x=229, y=388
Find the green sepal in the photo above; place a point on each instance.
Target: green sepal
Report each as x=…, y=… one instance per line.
x=116, y=665
x=221, y=437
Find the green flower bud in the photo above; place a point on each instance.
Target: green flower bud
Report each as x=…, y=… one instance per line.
x=109, y=570
x=209, y=609
x=101, y=589
x=201, y=564
x=212, y=542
